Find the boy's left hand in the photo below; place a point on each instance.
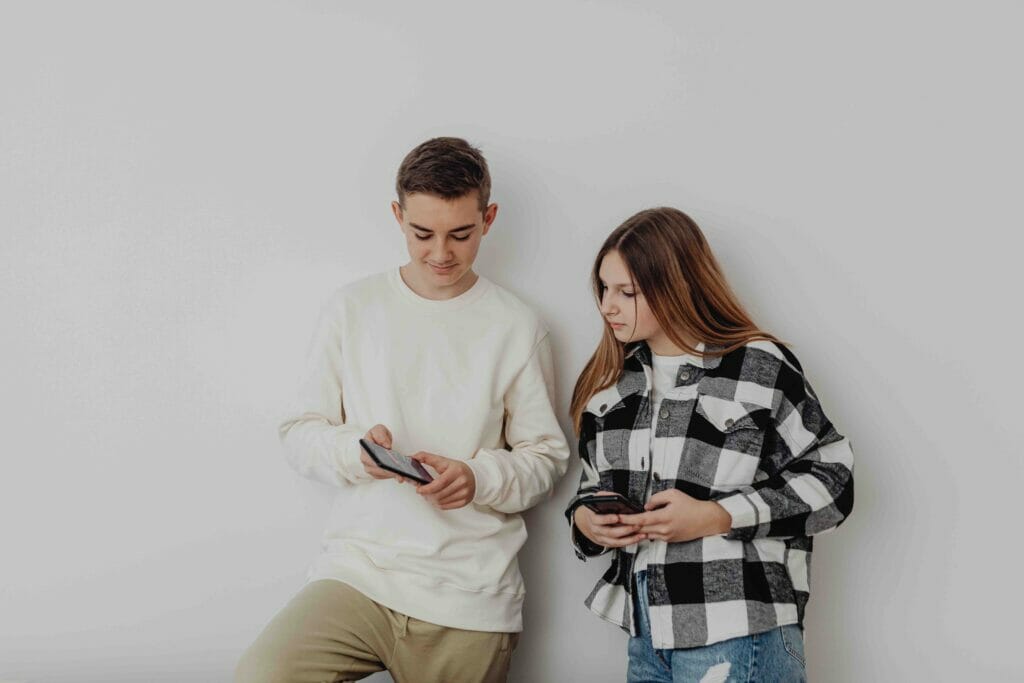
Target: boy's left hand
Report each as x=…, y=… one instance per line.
x=674, y=516
x=453, y=487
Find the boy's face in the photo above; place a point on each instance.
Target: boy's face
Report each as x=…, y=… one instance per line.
x=443, y=237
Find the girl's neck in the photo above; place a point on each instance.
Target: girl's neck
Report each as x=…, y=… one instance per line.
x=661, y=345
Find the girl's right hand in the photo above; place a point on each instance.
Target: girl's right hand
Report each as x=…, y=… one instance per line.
x=606, y=530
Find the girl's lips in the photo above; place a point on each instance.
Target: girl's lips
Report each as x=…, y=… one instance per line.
x=617, y=326
x=439, y=269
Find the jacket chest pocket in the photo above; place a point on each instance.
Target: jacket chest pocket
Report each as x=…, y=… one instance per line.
x=614, y=432
x=723, y=444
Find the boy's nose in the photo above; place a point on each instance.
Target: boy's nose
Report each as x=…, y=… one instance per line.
x=441, y=254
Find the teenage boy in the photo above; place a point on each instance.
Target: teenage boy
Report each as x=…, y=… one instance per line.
x=434, y=361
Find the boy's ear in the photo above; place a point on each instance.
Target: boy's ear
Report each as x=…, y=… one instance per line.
x=489, y=215
x=396, y=209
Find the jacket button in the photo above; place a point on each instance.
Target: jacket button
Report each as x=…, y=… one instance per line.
x=663, y=413
x=685, y=374
x=604, y=407
x=729, y=422
x=657, y=477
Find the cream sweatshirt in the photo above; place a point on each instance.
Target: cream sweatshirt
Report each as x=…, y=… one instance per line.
x=469, y=378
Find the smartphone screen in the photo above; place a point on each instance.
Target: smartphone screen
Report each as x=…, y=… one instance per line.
x=611, y=505
x=396, y=462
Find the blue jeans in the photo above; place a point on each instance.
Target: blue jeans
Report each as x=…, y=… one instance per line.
x=775, y=656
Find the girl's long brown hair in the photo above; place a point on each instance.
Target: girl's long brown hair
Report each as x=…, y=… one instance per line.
x=672, y=265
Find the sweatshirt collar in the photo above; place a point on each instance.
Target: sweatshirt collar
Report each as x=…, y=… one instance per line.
x=479, y=288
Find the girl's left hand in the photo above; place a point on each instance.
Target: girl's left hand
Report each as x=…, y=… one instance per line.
x=674, y=516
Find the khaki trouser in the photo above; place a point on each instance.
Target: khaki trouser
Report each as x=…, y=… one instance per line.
x=331, y=632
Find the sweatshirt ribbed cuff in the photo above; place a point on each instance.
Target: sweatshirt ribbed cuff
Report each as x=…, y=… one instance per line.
x=487, y=475
x=349, y=458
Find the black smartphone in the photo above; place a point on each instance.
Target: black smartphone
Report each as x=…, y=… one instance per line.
x=396, y=462
x=614, y=504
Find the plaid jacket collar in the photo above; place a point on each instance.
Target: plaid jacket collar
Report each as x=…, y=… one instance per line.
x=637, y=376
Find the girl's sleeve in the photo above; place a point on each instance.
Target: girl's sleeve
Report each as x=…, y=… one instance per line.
x=589, y=483
x=812, y=492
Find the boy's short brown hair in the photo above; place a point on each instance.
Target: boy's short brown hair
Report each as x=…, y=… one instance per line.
x=444, y=167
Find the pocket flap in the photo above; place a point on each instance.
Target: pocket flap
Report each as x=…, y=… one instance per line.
x=725, y=415
x=604, y=401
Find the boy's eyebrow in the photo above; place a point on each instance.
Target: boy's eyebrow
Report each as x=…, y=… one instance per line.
x=461, y=228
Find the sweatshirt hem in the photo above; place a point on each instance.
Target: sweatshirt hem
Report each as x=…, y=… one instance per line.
x=425, y=598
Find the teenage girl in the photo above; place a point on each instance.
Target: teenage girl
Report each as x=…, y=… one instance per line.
x=707, y=425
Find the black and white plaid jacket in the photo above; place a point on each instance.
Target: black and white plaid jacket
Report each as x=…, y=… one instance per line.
x=745, y=430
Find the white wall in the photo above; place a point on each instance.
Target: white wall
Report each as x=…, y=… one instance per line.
x=182, y=184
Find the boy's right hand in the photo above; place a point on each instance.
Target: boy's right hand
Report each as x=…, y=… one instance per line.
x=606, y=530
x=380, y=435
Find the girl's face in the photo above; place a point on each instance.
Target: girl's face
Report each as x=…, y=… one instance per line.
x=623, y=305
